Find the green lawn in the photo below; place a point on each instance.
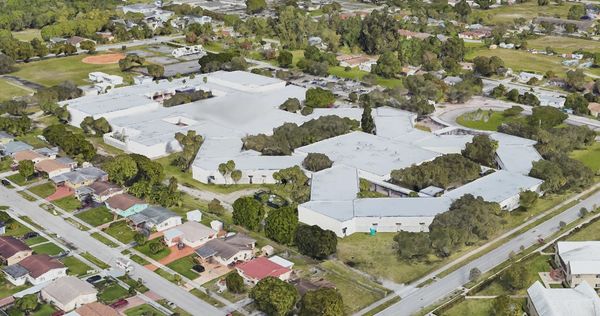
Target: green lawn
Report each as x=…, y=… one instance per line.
x=184, y=266
x=69, y=203
x=32, y=139
x=6, y=288
x=104, y=240
x=27, y=35
x=49, y=249
x=35, y=240
x=43, y=190
x=16, y=229
x=75, y=266
x=96, y=216
x=589, y=156
x=145, y=249
x=56, y=70
x=121, y=232
x=536, y=263
x=8, y=90
x=487, y=120
x=20, y=180
x=357, y=74
x=563, y=44
x=42, y=310
x=143, y=310
x=112, y=293
x=27, y=196
x=587, y=233
x=203, y=296
x=475, y=307
x=528, y=10
x=95, y=260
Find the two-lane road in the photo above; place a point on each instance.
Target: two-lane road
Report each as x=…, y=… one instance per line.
x=440, y=289
x=85, y=242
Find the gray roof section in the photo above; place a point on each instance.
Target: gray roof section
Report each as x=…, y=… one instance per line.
x=80, y=175
x=579, y=301
x=226, y=248
x=15, y=271
x=333, y=184
x=15, y=146
x=152, y=214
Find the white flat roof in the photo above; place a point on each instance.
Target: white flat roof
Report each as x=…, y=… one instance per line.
x=582, y=256
x=336, y=183
x=579, y=301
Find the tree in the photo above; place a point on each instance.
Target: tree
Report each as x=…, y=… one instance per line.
x=412, y=245
x=121, y=169
x=583, y=212
x=527, y=199
x=576, y=12
x=322, y=302
x=6, y=64
x=543, y=2
x=140, y=238
x=156, y=247
x=315, y=242
x=463, y=9
x=484, y=4
x=366, y=122
x=291, y=105
x=502, y=305
x=517, y=276
x=27, y=303
x=156, y=71
x=89, y=46
x=316, y=162
x=234, y=282
x=248, y=212
x=255, y=6
x=474, y=274
x=546, y=117
x=274, y=297
x=482, y=150
x=215, y=207
x=577, y=103
x=388, y=65
x=26, y=168
x=236, y=175
x=576, y=79
x=281, y=224
x=487, y=66
x=319, y=98
x=285, y=59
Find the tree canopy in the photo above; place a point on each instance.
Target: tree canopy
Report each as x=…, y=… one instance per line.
x=315, y=242
x=274, y=297
x=281, y=224
x=316, y=162
x=248, y=212
x=322, y=302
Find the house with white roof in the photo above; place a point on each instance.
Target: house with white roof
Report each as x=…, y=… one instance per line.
x=191, y=234
x=579, y=261
x=579, y=301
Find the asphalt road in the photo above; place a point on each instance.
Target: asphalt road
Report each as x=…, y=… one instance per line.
x=85, y=242
x=440, y=289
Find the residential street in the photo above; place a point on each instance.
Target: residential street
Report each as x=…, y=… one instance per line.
x=438, y=290
x=84, y=242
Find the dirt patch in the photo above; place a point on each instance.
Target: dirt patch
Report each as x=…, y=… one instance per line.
x=105, y=59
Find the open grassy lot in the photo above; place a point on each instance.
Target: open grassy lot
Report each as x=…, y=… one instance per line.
x=143, y=310
x=564, y=44
x=589, y=232
x=589, y=156
x=357, y=74
x=53, y=71
x=536, y=263
x=475, y=307
x=75, y=266
x=111, y=293
x=519, y=60
x=69, y=203
x=96, y=216
x=27, y=35
x=121, y=232
x=483, y=120
x=527, y=10
x=8, y=90
x=48, y=248
x=43, y=190
x=184, y=266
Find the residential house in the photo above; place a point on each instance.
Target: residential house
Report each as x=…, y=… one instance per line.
x=52, y=167
x=452, y=80
x=191, y=234
x=67, y=161
x=80, y=177
x=155, y=218
x=107, y=36
x=594, y=109
x=560, y=24
x=579, y=261
x=526, y=76
x=410, y=34
x=77, y=40
x=103, y=190
x=13, y=250
x=96, y=309
x=51, y=153
x=5, y=138
x=579, y=301
x=35, y=269
x=259, y=268
x=28, y=155
x=281, y=261
x=475, y=34
x=194, y=215
x=68, y=293
x=125, y=204
x=229, y=250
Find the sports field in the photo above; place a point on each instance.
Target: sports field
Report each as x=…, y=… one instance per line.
x=528, y=11
x=564, y=44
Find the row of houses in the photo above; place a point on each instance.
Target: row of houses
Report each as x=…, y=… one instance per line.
x=21, y=265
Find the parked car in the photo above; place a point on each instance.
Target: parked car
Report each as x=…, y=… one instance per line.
x=198, y=268
x=171, y=304
x=5, y=182
x=120, y=303
x=30, y=235
x=94, y=279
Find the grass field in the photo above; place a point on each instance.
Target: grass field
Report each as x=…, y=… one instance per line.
x=589, y=232
x=564, y=44
x=104, y=240
x=184, y=266
x=43, y=190
x=519, y=60
x=27, y=35
x=528, y=10
x=48, y=249
x=75, y=266
x=357, y=74
x=96, y=216
x=143, y=310
x=145, y=249
x=9, y=90
x=111, y=293
x=483, y=120
x=69, y=203
x=589, y=156
x=20, y=180
x=121, y=232
x=95, y=260
x=536, y=263
x=475, y=307
x=41, y=310
x=56, y=70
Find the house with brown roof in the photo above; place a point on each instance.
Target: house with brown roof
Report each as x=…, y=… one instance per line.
x=13, y=250
x=68, y=293
x=125, y=204
x=52, y=167
x=77, y=40
x=103, y=190
x=96, y=309
x=35, y=269
x=594, y=109
x=29, y=155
